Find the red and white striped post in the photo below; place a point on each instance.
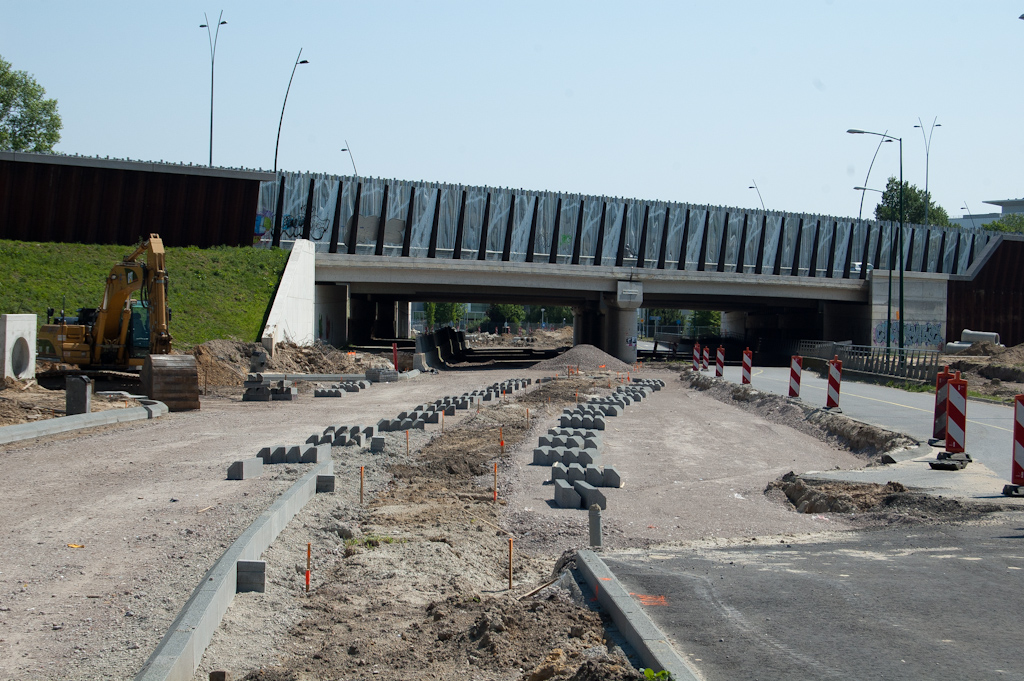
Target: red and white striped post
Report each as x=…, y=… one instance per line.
x=941, y=391
x=748, y=362
x=956, y=415
x=1017, y=464
x=796, y=367
x=704, y=359
x=720, y=362
x=835, y=380
x=696, y=356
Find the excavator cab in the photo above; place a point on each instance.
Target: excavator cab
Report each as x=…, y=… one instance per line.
x=138, y=330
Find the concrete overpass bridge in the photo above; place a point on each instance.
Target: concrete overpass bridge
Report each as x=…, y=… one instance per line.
x=370, y=246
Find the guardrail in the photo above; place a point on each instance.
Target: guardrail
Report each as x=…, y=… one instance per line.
x=921, y=365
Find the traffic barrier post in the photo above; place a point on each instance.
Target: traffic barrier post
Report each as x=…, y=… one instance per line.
x=1016, y=486
x=941, y=392
x=956, y=415
x=835, y=382
x=704, y=359
x=796, y=368
x=720, y=362
x=748, y=363
x=696, y=356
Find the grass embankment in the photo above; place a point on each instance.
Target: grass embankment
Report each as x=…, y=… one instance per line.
x=214, y=293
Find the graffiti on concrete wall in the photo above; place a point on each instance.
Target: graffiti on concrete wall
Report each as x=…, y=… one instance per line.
x=915, y=334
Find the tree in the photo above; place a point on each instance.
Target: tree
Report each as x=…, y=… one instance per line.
x=450, y=313
x=553, y=314
x=913, y=206
x=28, y=122
x=1010, y=222
x=702, y=320
x=668, y=315
x=513, y=314
x=430, y=314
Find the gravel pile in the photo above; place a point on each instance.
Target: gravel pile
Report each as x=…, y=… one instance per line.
x=586, y=357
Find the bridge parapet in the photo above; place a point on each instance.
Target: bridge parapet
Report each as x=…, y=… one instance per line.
x=379, y=217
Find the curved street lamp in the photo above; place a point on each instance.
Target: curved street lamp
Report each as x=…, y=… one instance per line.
x=927, y=152
x=348, y=148
x=298, y=60
x=213, y=53
x=754, y=187
x=885, y=136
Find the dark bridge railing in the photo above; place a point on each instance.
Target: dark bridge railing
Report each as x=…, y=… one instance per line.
x=373, y=216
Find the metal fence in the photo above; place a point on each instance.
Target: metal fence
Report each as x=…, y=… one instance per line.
x=921, y=365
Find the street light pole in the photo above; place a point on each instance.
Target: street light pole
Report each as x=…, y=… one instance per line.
x=754, y=187
x=277, y=145
x=854, y=131
x=927, y=153
x=974, y=226
x=348, y=148
x=213, y=54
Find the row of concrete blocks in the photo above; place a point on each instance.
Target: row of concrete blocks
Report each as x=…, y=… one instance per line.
x=344, y=435
x=655, y=383
x=591, y=474
x=339, y=389
x=578, y=494
x=266, y=393
x=381, y=375
x=246, y=469
x=579, y=439
x=546, y=456
x=588, y=421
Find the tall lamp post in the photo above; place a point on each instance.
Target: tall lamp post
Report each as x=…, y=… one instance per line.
x=213, y=53
x=348, y=148
x=854, y=131
x=754, y=187
x=927, y=152
x=974, y=226
x=888, y=307
x=298, y=60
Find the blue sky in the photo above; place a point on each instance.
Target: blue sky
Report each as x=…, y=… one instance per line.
x=662, y=100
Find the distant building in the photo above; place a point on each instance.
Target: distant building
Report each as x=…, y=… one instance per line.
x=980, y=219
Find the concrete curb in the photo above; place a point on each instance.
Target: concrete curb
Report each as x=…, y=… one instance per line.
x=179, y=653
x=26, y=431
x=647, y=639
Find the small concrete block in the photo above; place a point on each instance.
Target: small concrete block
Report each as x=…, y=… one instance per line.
x=611, y=410
x=612, y=477
x=220, y=675
x=589, y=457
x=568, y=456
x=557, y=441
x=341, y=439
x=278, y=454
x=369, y=431
x=313, y=439
x=384, y=425
x=403, y=415
x=594, y=476
x=576, y=472
x=576, y=421
x=449, y=410
x=590, y=494
x=377, y=443
x=565, y=495
x=245, y=469
x=406, y=424
x=432, y=417
x=358, y=439
x=294, y=454
x=542, y=456
x=324, y=483
x=544, y=441
x=599, y=422
x=78, y=395
x=565, y=421
x=316, y=453
x=588, y=421
x=574, y=442
x=559, y=471
x=250, y=575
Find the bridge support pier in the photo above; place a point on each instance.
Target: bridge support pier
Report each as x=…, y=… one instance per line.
x=403, y=319
x=586, y=325
x=619, y=329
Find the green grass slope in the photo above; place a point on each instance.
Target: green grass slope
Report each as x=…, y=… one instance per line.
x=213, y=293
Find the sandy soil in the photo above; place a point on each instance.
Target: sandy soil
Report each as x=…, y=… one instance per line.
x=413, y=584
x=26, y=401
x=990, y=370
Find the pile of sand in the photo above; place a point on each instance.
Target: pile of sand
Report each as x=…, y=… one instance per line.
x=586, y=357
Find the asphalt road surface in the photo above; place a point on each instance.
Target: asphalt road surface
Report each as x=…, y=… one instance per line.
x=905, y=602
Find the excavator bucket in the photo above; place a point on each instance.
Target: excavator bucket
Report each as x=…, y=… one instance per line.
x=172, y=379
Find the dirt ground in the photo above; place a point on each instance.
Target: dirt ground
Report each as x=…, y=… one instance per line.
x=413, y=584
x=27, y=401
x=990, y=370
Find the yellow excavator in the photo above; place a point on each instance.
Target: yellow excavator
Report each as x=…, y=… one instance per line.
x=128, y=332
